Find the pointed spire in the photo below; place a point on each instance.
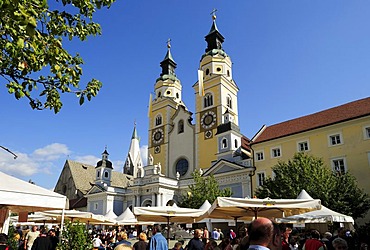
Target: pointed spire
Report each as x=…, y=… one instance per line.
x=134, y=133
x=214, y=38
x=168, y=65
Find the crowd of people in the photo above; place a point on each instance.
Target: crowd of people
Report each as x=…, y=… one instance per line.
x=261, y=234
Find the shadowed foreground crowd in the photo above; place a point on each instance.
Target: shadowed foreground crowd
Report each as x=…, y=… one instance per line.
x=262, y=234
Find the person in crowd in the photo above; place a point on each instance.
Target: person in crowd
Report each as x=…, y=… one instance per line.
x=314, y=243
x=326, y=239
x=142, y=244
x=232, y=234
x=177, y=246
x=215, y=235
x=222, y=236
x=53, y=238
x=196, y=243
x=224, y=243
x=340, y=244
x=122, y=239
x=4, y=242
x=123, y=247
x=214, y=245
x=158, y=241
x=285, y=242
x=264, y=235
x=205, y=236
x=363, y=246
x=244, y=242
x=42, y=242
x=97, y=243
x=345, y=235
x=31, y=237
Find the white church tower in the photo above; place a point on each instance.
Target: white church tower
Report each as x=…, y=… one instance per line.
x=134, y=163
x=103, y=170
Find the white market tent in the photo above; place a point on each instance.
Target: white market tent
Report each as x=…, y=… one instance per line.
x=20, y=196
x=128, y=218
x=248, y=209
x=322, y=215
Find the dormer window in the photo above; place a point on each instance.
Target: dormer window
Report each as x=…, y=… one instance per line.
x=208, y=100
x=158, y=120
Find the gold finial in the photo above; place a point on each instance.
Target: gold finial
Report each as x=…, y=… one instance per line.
x=169, y=43
x=213, y=13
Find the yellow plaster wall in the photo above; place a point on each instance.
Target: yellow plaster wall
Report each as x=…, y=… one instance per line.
x=355, y=148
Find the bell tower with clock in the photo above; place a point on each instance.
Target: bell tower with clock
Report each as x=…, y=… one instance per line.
x=167, y=99
x=216, y=93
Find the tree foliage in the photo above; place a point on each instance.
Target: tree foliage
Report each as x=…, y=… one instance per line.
x=204, y=188
x=74, y=237
x=338, y=192
x=33, y=62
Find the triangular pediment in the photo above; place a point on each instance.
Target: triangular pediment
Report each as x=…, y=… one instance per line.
x=223, y=166
x=95, y=189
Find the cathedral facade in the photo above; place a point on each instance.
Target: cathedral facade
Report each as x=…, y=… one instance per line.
x=179, y=143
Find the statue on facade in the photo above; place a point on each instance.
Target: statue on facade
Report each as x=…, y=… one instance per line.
x=150, y=159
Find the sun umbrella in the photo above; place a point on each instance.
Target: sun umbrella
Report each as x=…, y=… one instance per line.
x=75, y=215
x=249, y=209
x=168, y=214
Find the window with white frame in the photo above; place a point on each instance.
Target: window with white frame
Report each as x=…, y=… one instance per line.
x=367, y=132
x=261, y=178
x=335, y=139
x=275, y=152
x=339, y=165
x=96, y=206
x=259, y=156
x=303, y=146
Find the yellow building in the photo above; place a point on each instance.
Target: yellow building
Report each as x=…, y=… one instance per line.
x=340, y=136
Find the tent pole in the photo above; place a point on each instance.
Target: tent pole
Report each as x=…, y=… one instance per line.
x=168, y=231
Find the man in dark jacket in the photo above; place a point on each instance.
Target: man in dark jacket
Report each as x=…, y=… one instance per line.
x=196, y=243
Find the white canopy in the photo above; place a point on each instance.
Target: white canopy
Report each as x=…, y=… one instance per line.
x=247, y=209
x=322, y=215
x=20, y=196
x=128, y=218
x=83, y=217
x=168, y=214
x=111, y=215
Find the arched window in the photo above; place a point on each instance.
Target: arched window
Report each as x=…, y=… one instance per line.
x=182, y=166
x=159, y=94
x=158, y=120
x=236, y=143
x=180, y=128
x=106, y=174
x=229, y=101
x=98, y=174
x=224, y=143
x=208, y=100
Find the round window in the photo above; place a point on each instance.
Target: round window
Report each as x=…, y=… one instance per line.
x=182, y=166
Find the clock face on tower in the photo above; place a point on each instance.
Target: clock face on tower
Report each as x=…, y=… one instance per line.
x=157, y=136
x=208, y=120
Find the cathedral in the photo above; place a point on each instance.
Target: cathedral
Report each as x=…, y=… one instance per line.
x=209, y=141
x=179, y=143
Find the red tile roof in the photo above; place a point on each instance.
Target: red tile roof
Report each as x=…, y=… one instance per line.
x=345, y=112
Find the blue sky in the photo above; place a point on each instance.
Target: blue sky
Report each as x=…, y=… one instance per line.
x=290, y=58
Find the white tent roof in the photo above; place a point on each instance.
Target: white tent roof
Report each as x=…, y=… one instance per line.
x=111, y=215
x=205, y=206
x=322, y=215
x=18, y=195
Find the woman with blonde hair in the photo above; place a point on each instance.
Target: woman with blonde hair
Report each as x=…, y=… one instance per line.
x=142, y=244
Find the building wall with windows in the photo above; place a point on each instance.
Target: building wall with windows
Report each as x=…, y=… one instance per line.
x=343, y=143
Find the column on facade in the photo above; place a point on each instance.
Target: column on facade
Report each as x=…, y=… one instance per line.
x=154, y=199
x=137, y=204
